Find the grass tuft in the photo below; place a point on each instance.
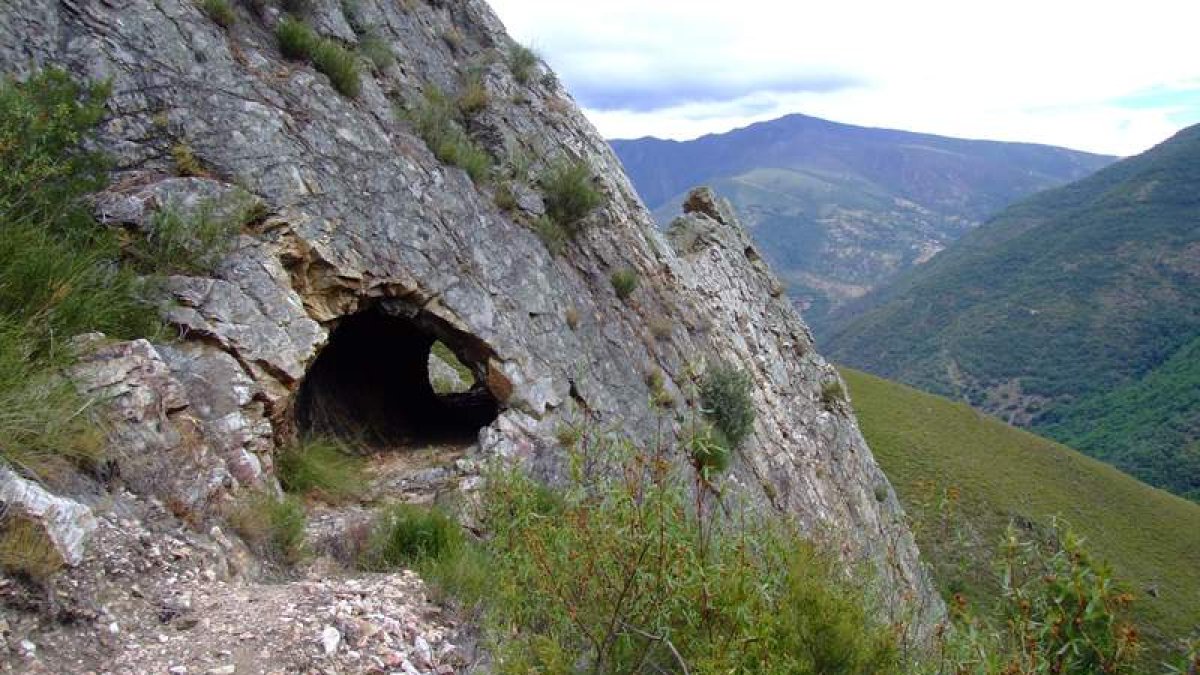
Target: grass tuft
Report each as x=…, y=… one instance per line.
x=473, y=95
x=436, y=123
x=320, y=468
x=570, y=194
x=273, y=527
x=178, y=243
x=405, y=535
x=624, y=282
x=300, y=43
x=522, y=63
x=220, y=11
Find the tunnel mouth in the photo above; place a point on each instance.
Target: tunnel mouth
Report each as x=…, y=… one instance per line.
x=370, y=385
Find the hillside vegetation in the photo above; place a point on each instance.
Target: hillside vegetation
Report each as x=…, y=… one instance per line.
x=838, y=209
x=1067, y=312
x=963, y=476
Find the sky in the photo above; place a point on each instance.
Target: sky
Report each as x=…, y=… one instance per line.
x=1108, y=76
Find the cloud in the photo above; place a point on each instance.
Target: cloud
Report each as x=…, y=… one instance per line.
x=605, y=95
x=1059, y=72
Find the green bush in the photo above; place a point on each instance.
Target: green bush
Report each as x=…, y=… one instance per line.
x=624, y=282
x=322, y=468
x=621, y=575
x=570, y=194
x=521, y=62
x=709, y=449
x=725, y=398
x=1059, y=612
x=436, y=123
x=272, y=527
x=220, y=11
x=406, y=535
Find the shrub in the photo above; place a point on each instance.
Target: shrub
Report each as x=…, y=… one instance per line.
x=407, y=535
x=220, y=11
x=273, y=527
x=521, y=62
x=708, y=449
x=322, y=468
x=661, y=327
x=296, y=40
x=1059, y=612
x=624, y=281
x=377, y=51
x=569, y=193
x=725, y=398
x=619, y=575
x=436, y=123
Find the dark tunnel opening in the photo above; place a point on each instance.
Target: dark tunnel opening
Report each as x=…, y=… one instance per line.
x=370, y=385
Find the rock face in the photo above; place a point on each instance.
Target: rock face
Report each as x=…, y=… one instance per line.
x=364, y=220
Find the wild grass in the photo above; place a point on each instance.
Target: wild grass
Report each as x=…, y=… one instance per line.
x=553, y=235
x=624, y=282
x=473, y=94
x=320, y=468
x=407, y=535
x=436, y=122
x=61, y=274
x=620, y=574
x=522, y=63
x=298, y=42
x=378, y=51
x=25, y=548
x=440, y=350
x=570, y=194
x=190, y=243
x=220, y=11
x=963, y=476
x=273, y=527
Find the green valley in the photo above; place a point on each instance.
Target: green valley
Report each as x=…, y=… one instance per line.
x=963, y=476
x=1075, y=312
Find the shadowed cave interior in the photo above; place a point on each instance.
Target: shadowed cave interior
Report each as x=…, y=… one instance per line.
x=370, y=384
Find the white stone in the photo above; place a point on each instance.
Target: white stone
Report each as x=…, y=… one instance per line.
x=330, y=639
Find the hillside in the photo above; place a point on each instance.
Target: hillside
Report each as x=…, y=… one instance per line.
x=933, y=449
x=1085, y=291
x=839, y=209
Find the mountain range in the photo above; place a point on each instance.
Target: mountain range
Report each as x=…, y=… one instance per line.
x=840, y=209
x=1075, y=312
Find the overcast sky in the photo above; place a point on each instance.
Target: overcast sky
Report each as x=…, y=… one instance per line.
x=1111, y=76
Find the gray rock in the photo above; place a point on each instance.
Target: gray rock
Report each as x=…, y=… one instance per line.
x=67, y=524
x=364, y=216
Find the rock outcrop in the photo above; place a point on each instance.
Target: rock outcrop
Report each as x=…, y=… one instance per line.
x=362, y=220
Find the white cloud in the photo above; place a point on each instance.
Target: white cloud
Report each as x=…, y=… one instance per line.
x=1048, y=71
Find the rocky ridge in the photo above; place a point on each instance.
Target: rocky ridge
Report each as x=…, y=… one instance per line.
x=360, y=219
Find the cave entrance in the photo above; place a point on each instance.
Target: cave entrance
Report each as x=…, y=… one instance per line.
x=371, y=384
